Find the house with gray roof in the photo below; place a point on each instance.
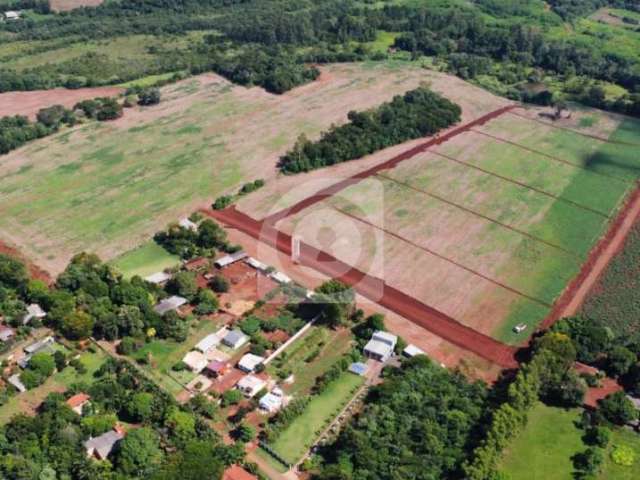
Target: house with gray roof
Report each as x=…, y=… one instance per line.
x=100, y=447
x=235, y=339
x=33, y=311
x=381, y=346
x=169, y=304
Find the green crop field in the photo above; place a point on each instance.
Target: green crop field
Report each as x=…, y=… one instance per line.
x=293, y=442
x=145, y=260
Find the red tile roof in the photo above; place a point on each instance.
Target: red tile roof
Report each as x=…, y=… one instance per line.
x=77, y=400
x=236, y=472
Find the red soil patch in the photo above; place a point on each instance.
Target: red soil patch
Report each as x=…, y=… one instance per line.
x=577, y=291
x=28, y=103
x=246, y=283
x=66, y=5
x=374, y=289
x=35, y=271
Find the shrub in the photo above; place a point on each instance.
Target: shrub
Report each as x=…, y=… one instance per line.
x=623, y=455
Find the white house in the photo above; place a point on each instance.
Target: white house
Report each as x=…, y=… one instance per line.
x=249, y=362
x=207, y=343
x=196, y=361
x=235, y=339
x=16, y=382
x=272, y=401
x=169, y=304
x=158, y=278
x=33, y=311
x=250, y=385
x=381, y=346
x=11, y=15
x=188, y=224
x=229, y=259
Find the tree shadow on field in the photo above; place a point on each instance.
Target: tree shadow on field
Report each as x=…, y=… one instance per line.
x=602, y=162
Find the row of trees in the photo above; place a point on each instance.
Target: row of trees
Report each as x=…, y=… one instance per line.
x=188, y=243
x=415, y=114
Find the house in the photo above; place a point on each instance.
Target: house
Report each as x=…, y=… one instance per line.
x=216, y=368
x=411, y=351
x=40, y=345
x=169, y=304
x=188, y=224
x=78, y=401
x=258, y=265
x=207, y=343
x=16, y=382
x=381, y=346
x=6, y=333
x=249, y=362
x=272, y=401
x=250, y=385
x=11, y=15
x=280, y=278
x=236, y=472
x=33, y=311
x=359, y=368
x=229, y=259
x=235, y=339
x=100, y=447
x=196, y=361
x=158, y=278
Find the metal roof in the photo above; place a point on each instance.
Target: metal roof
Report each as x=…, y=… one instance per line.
x=207, y=343
x=358, y=368
x=168, y=304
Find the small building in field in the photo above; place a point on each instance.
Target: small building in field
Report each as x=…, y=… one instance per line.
x=216, y=368
x=381, y=346
x=188, y=224
x=250, y=385
x=207, y=343
x=169, y=304
x=16, y=382
x=229, y=259
x=158, y=278
x=235, y=339
x=359, y=368
x=12, y=15
x=196, y=361
x=411, y=351
x=236, y=472
x=272, y=401
x=33, y=311
x=249, y=362
x=100, y=447
x=78, y=401
x=6, y=333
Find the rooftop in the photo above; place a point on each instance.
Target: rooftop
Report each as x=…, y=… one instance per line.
x=385, y=337
x=412, y=351
x=234, y=336
x=378, y=348
x=168, y=304
x=236, y=472
x=78, y=399
x=158, y=278
x=103, y=444
x=208, y=342
x=249, y=362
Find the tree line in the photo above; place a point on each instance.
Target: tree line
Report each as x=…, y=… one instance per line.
x=417, y=113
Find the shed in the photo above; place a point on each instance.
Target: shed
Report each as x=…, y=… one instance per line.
x=207, y=343
x=188, y=224
x=78, y=401
x=33, y=311
x=158, y=278
x=196, y=361
x=250, y=385
x=39, y=345
x=16, y=382
x=411, y=351
x=12, y=15
x=100, y=447
x=258, y=265
x=169, y=304
x=249, y=362
x=359, y=368
x=229, y=259
x=6, y=333
x=280, y=278
x=235, y=339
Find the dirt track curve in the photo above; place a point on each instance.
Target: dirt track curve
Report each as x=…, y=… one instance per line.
x=391, y=163
x=374, y=289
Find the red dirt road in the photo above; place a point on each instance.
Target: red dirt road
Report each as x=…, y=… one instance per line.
x=28, y=103
x=391, y=163
x=374, y=289
x=577, y=291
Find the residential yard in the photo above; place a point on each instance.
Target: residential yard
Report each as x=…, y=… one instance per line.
x=544, y=449
x=293, y=443
x=145, y=260
x=612, y=471
x=59, y=382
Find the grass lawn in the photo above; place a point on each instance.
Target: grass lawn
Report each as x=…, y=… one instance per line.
x=59, y=382
x=166, y=353
x=544, y=449
x=331, y=344
x=292, y=444
x=145, y=260
x=268, y=458
x=611, y=471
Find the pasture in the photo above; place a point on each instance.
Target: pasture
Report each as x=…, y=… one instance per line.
x=108, y=187
x=145, y=260
x=499, y=218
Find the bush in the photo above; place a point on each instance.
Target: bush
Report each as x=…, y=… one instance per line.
x=220, y=284
x=222, y=202
x=149, y=96
x=231, y=397
x=623, y=455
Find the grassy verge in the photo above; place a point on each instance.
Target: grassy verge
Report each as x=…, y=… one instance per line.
x=292, y=444
x=145, y=260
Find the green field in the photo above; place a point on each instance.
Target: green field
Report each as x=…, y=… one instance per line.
x=145, y=260
x=612, y=471
x=292, y=444
x=58, y=382
x=544, y=449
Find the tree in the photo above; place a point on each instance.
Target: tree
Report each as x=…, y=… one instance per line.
x=51, y=116
x=141, y=407
x=183, y=284
x=182, y=425
x=207, y=302
x=617, y=408
x=211, y=235
x=98, y=424
x=245, y=433
x=173, y=326
x=149, y=96
x=619, y=361
x=231, y=397
x=78, y=325
x=43, y=364
x=220, y=284
x=60, y=360
x=13, y=273
x=200, y=460
x=589, y=461
x=139, y=454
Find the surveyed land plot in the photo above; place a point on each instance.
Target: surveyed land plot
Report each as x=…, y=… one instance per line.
x=108, y=187
x=489, y=227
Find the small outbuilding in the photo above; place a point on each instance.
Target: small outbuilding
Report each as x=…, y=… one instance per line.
x=411, y=351
x=78, y=401
x=249, y=362
x=381, y=346
x=230, y=259
x=258, y=265
x=16, y=382
x=196, y=361
x=235, y=339
x=359, y=368
x=39, y=346
x=12, y=15
x=188, y=224
x=169, y=304
x=6, y=333
x=280, y=278
x=250, y=385
x=158, y=278
x=33, y=311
